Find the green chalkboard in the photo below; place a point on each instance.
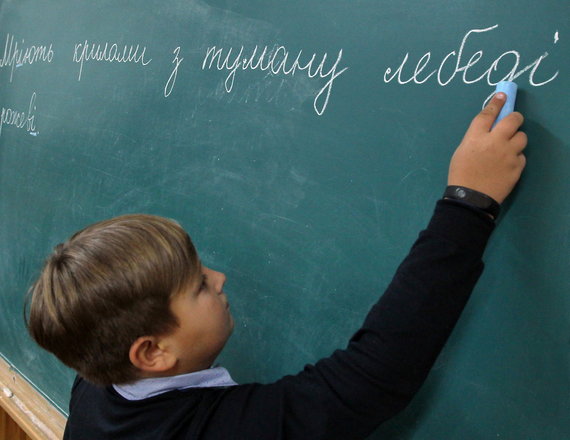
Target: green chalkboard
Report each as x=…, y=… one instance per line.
x=303, y=145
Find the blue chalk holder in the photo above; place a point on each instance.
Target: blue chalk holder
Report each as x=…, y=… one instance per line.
x=509, y=88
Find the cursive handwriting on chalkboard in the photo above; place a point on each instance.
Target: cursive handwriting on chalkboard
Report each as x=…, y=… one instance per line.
x=463, y=66
x=172, y=79
x=19, y=55
x=277, y=62
x=110, y=52
x=20, y=119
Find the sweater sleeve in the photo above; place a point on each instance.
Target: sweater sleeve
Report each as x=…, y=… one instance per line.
x=347, y=395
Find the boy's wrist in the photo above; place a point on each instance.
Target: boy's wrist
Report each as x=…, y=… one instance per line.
x=474, y=199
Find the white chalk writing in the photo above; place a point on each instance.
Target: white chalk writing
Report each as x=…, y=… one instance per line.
x=20, y=119
x=17, y=55
x=462, y=66
x=172, y=79
x=108, y=52
x=278, y=62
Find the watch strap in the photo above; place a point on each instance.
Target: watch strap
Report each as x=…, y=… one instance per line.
x=473, y=198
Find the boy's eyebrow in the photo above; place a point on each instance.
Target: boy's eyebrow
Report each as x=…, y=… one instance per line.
x=199, y=267
x=198, y=275
x=201, y=274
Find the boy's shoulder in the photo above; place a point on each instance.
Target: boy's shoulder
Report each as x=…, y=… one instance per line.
x=97, y=411
x=216, y=412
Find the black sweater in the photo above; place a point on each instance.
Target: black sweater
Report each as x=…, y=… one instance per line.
x=345, y=396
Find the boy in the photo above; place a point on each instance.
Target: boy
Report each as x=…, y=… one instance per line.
x=127, y=303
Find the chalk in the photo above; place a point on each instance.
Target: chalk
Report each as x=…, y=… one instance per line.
x=7, y=392
x=509, y=88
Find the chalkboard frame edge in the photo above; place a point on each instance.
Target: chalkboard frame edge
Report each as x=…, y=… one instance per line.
x=35, y=415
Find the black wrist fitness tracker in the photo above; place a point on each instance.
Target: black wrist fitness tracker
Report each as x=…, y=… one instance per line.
x=473, y=198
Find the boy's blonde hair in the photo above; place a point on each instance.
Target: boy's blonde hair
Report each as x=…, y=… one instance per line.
x=108, y=285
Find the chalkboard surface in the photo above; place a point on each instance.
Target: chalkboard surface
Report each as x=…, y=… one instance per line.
x=303, y=145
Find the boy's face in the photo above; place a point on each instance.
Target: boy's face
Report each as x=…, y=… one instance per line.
x=205, y=322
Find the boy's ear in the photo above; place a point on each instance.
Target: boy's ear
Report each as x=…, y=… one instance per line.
x=149, y=356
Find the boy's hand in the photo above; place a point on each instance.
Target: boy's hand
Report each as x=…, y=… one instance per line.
x=490, y=161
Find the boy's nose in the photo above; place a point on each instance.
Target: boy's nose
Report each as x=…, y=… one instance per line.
x=220, y=281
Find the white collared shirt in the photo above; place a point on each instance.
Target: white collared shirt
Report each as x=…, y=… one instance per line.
x=145, y=388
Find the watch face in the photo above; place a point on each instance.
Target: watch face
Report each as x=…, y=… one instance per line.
x=460, y=193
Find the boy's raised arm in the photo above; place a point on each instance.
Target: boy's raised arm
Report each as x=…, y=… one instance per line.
x=348, y=394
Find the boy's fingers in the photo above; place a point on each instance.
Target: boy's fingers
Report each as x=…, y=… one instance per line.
x=519, y=141
x=485, y=119
x=510, y=125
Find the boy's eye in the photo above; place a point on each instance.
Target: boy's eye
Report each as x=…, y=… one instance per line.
x=204, y=284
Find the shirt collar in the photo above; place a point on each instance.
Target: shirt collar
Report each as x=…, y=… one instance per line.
x=145, y=388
